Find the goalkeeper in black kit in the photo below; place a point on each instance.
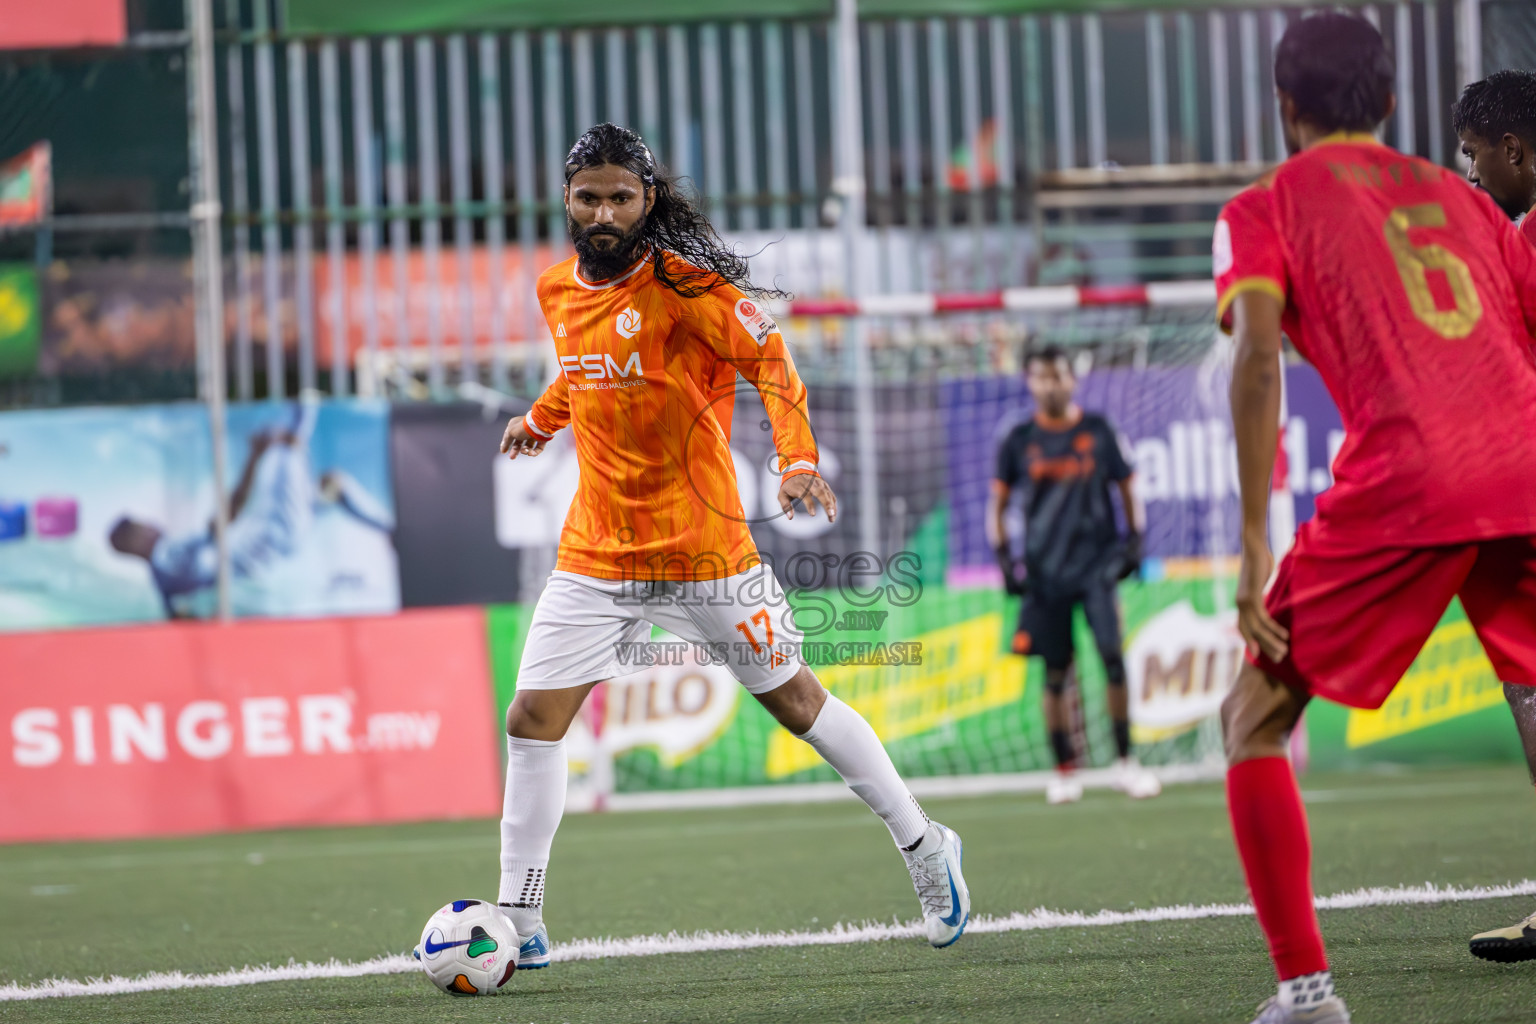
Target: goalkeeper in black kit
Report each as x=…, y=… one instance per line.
x=1065, y=459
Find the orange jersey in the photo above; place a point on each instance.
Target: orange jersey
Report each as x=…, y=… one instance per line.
x=648, y=385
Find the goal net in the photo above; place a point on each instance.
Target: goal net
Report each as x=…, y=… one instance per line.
x=903, y=610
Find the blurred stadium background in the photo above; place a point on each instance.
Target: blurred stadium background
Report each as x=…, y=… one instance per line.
x=281, y=253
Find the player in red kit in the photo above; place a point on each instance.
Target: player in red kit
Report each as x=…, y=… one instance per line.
x=1496, y=122
x=1415, y=299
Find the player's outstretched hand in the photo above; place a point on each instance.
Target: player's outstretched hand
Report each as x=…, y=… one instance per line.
x=811, y=490
x=518, y=441
x=1260, y=632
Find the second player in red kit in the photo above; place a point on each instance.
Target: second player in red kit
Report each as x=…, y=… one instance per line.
x=1415, y=299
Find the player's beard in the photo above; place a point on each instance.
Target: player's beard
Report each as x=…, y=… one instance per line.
x=599, y=264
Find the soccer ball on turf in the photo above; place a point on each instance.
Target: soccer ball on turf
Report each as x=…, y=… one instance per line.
x=468, y=949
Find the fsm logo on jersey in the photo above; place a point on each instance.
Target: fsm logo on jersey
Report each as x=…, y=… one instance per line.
x=602, y=365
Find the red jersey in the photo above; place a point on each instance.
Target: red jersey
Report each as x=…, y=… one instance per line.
x=1415, y=299
x=1528, y=226
x=648, y=385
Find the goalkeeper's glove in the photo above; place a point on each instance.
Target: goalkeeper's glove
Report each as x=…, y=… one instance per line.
x=1015, y=580
x=1130, y=557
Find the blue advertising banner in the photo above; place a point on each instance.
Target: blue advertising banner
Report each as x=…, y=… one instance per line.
x=106, y=513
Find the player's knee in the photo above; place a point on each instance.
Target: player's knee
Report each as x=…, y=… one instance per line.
x=1056, y=679
x=1257, y=716
x=797, y=702
x=1114, y=668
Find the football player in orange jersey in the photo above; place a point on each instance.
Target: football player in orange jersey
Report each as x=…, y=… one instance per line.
x=653, y=321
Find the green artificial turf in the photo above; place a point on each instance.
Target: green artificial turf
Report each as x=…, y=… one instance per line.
x=208, y=904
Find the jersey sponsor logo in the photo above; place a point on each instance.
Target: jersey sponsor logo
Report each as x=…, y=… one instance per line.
x=628, y=322
x=1221, y=248
x=1075, y=466
x=560, y=331
x=601, y=365
x=757, y=322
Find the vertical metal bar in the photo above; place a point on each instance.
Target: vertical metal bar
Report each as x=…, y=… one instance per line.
x=1189, y=100
x=850, y=180
x=463, y=230
x=492, y=164
x=303, y=229
x=617, y=73
x=805, y=122
x=776, y=110
x=745, y=116
x=239, y=187
x=970, y=118
x=271, y=236
x=1093, y=72
x=1248, y=46
x=939, y=137
x=208, y=264
x=1276, y=31
x=1034, y=137
x=1435, y=149
x=1061, y=64
x=335, y=227
x=679, y=87
x=430, y=194
x=1002, y=132
x=394, y=176
x=1221, y=90
x=712, y=128
x=1157, y=88
x=1469, y=40
x=367, y=188
x=1402, y=31
x=556, y=144
x=650, y=88
x=584, y=79
x=911, y=145
x=879, y=145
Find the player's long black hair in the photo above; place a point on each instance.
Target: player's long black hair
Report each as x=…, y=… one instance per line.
x=674, y=224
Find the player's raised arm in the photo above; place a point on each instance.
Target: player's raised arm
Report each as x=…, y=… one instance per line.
x=746, y=336
x=529, y=433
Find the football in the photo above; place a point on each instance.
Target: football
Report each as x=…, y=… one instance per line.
x=468, y=949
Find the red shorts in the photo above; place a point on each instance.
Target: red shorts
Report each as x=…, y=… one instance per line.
x=1359, y=616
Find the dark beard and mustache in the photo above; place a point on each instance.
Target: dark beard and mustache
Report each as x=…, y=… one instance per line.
x=600, y=264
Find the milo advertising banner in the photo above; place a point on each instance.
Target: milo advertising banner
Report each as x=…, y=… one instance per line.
x=925, y=654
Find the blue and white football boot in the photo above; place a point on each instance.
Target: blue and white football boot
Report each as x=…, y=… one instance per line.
x=528, y=922
x=935, y=867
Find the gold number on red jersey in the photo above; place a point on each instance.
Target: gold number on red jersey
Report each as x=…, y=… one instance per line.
x=1414, y=262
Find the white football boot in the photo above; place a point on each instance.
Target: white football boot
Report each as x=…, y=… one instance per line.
x=528, y=922
x=1135, y=781
x=1327, y=1011
x=1064, y=788
x=941, y=889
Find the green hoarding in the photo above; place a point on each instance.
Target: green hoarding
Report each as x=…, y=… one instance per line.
x=966, y=705
x=20, y=320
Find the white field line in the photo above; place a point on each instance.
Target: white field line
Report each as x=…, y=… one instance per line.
x=706, y=942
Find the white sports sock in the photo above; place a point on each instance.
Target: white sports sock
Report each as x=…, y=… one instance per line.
x=530, y=814
x=1306, y=990
x=842, y=737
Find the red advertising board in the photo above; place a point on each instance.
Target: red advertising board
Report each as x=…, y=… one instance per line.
x=187, y=728
x=28, y=25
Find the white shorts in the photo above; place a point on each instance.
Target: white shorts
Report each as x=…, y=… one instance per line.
x=582, y=624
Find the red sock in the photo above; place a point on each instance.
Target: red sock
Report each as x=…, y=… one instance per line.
x=1270, y=827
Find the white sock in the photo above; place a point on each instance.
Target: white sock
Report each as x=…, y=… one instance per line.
x=1306, y=990
x=530, y=814
x=846, y=742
